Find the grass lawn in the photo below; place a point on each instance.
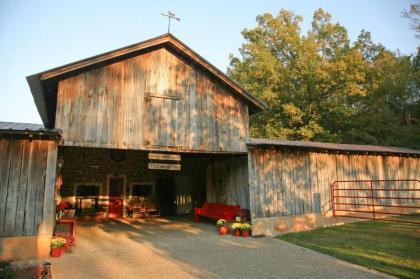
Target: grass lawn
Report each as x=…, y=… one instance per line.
x=389, y=247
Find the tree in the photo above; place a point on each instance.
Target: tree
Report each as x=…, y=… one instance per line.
x=318, y=86
x=414, y=16
x=306, y=80
x=389, y=115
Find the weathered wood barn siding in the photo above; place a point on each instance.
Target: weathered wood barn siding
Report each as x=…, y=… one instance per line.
x=155, y=100
x=297, y=182
x=227, y=182
x=27, y=179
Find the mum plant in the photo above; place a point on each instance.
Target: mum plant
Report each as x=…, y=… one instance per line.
x=246, y=227
x=57, y=246
x=221, y=223
x=236, y=226
x=58, y=242
x=236, y=229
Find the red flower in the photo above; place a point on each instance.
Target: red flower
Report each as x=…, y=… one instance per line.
x=62, y=206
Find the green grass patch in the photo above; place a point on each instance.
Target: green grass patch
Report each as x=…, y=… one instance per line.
x=389, y=247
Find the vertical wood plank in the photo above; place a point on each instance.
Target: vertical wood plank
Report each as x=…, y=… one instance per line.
x=40, y=186
x=252, y=183
x=315, y=195
x=29, y=223
x=275, y=187
x=5, y=158
x=23, y=185
x=13, y=186
x=49, y=202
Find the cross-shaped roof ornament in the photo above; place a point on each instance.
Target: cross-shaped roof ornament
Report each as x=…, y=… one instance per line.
x=170, y=16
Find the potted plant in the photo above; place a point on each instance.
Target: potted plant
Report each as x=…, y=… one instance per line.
x=58, y=244
x=236, y=229
x=246, y=229
x=221, y=224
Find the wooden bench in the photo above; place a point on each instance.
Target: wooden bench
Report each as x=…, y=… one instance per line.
x=142, y=207
x=216, y=211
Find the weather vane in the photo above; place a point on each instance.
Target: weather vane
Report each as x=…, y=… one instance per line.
x=170, y=16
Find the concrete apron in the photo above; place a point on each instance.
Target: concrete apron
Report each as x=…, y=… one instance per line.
x=179, y=248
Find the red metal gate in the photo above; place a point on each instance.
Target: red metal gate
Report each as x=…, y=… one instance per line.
x=376, y=199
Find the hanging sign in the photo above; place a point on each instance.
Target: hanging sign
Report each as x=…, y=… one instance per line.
x=161, y=166
x=164, y=157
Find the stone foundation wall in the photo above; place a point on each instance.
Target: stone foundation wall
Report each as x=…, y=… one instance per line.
x=273, y=226
x=78, y=164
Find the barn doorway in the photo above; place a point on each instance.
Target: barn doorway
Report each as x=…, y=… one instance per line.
x=116, y=195
x=127, y=187
x=166, y=195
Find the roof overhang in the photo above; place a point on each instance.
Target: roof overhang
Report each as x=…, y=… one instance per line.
x=12, y=130
x=332, y=147
x=43, y=85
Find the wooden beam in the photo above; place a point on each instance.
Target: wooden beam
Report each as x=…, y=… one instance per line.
x=163, y=96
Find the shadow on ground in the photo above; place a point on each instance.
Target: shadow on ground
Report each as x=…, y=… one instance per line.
x=178, y=248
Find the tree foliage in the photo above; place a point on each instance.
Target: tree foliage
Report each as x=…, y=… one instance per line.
x=320, y=86
x=414, y=16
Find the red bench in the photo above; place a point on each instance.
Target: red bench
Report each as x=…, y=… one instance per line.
x=216, y=211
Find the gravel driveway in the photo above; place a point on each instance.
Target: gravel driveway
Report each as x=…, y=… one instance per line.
x=178, y=248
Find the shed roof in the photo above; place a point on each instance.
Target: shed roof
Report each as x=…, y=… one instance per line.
x=333, y=147
x=44, y=85
x=27, y=130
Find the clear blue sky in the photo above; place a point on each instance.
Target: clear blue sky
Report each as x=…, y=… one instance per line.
x=39, y=35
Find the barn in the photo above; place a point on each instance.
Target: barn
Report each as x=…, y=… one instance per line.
x=155, y=121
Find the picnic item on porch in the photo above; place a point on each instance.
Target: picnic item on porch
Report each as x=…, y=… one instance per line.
x=246, y=229
x=244, y=213
x=58, y=246
x=236, y=229
x=216, y=211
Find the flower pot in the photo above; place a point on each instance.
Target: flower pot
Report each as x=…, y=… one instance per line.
x=56, y=252
x=63, y=249
x=236, y=233
x=223, y=230
x=245, y=233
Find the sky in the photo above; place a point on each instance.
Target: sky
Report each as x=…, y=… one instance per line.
x=39, y=35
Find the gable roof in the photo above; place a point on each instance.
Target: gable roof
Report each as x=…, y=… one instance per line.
x=44, y=85
x=332, y=147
